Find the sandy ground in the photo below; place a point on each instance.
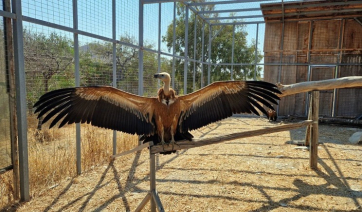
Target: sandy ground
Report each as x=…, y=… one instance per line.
x=263, y=173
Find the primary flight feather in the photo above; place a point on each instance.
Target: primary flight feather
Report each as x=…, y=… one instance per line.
x=166, y=118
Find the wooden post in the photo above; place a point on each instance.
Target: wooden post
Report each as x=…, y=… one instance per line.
x=12, y=101
x=313, y=148
x=307, y=133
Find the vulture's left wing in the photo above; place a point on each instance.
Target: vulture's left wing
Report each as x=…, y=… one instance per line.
x=220, y=100
x=101, y=106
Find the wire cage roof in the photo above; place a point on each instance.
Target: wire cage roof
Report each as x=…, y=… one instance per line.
x=261, y=11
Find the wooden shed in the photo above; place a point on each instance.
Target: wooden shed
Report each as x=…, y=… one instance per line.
x=314, y=40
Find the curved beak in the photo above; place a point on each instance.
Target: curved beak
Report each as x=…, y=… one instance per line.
x=156, y=75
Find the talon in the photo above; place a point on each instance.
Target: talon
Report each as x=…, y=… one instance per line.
x=163, y=144
x=173, y=142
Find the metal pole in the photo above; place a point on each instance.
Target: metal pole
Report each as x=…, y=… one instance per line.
x=194, y=73
x=209, y=57
x=21, y=101
x=159, y=56
x=281, y=53
x=281, y=47
x=232, y=54
x=256, y=51
x=202, y=53
x=173, y=46
x=309, y=64
x=218, y=32
x=159, y=39
x=140, y=51
x=114, y=67
x=334, y=103
x=186, y=48
x=152, y=180
x=77, y=84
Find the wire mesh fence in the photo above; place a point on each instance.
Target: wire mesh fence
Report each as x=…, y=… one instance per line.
x=5, y=143
x=187, y=39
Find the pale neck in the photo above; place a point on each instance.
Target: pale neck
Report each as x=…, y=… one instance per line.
x=166, y=87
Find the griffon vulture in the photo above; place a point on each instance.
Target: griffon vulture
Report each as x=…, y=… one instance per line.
x=163, y=119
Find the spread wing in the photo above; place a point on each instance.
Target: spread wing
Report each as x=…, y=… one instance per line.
x=220, y=100
x=101, y=106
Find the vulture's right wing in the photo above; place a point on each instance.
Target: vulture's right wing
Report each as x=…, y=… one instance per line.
x=101, y=106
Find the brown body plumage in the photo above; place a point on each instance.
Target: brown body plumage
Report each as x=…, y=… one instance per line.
x=272, y=115
x=162, y=119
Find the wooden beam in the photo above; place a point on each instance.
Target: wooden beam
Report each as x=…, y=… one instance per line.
x=207, y=141
x=12, y=100
x=144, y=202
x=138, y=148
x=344, y=82
x=334, y=51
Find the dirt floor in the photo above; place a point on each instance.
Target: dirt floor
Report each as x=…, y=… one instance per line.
x=264, y=173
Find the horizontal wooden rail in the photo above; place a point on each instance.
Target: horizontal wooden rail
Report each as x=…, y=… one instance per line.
x=185, y=144
x=138, y=148
x=344, y=82
x=207, y=141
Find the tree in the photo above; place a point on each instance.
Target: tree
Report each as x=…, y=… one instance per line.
x=45, y=56
x=101, y=53
x=220, y=47
x=97, y=57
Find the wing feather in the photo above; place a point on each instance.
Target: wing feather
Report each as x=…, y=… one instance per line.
x=220, y=100
x=261, y=92
x=59, y=116
x=56, y=110
x=101, y=106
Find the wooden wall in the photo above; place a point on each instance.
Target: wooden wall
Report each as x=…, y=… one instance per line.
x=330, y=42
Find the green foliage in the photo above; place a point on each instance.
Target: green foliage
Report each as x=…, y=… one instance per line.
x=221, y=47
x=48, y=63
x=96, y=66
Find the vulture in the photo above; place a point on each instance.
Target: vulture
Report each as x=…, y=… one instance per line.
x=164, y=119
x=272, y=115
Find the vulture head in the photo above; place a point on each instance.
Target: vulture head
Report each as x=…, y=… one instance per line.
x=165, y=77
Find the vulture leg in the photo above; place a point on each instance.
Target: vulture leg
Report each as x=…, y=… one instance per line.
x=173, y=142
x=162, y=139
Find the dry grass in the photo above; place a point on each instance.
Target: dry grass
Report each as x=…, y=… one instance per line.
x=5, y=151
x=262, y=173
x=6, y=188
x=52, y=156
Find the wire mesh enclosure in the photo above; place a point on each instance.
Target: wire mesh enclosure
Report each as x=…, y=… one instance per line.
x=5, y=144
x=60, y=44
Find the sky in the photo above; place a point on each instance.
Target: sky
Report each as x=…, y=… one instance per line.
x=96, y=17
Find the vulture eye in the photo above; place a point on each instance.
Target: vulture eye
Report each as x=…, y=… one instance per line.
x=161, y=74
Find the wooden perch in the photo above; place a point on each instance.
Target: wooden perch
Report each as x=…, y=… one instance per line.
x=344, y=82
x=207, y=141
x=138, y=148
